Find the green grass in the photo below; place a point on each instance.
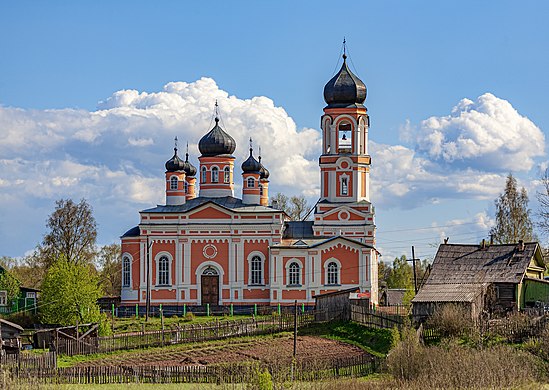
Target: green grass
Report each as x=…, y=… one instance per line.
x=374, y=341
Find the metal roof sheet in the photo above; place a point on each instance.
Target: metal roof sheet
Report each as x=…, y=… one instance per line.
x=228, y=202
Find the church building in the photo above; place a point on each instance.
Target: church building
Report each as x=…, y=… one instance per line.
x=206, y=246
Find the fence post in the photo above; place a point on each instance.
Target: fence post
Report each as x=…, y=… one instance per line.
x=303, y=307
x=232, y=311
x=255, y=309
x=184, y=309
x=208, y=309
x=162, y=323
x=279, y=311
x=136, y=310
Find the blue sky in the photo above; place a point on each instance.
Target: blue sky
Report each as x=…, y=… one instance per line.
x=60, y=60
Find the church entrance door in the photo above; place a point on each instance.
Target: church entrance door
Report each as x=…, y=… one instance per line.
x=210, y=286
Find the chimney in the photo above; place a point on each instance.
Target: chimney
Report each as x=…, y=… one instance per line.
x=483, y=244
x=491, y=239
x=521, y=246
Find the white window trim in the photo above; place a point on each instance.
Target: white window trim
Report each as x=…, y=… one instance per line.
x=226, y=175
x=338, y=263
x=301, y=270
x=341, y=177
x=127, y=255
x=186, y=187
x=250, y=180
x=204, y=174
x=215, y=169
x=262, y=257
x=3, y=298
x=170, y=276
x=172, y=181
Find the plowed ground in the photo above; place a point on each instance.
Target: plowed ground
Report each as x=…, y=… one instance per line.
x=269, y=350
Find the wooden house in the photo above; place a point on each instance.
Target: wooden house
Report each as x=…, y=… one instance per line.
x=392, y=296
x=10, y=336
x=25, y=300
x=336, y=304
x=485, y=279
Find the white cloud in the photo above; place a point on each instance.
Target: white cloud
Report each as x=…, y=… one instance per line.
x=484, y=134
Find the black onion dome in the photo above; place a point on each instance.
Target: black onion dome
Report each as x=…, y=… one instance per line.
x=345, y=88
x=251, y=164
x=264, y=173
x=216, y=142
x=190, y=169
x=175, y=164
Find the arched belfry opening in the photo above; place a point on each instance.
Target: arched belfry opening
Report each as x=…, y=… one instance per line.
x=344, y=136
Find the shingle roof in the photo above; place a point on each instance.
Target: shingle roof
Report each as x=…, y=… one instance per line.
x=227, y=202
x=451, y=292
x=456, y=263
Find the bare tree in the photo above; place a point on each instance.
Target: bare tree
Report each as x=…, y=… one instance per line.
x=543, y=199
x=72, y=233
x=110, y=262
x=513, y=221
x=296, y=206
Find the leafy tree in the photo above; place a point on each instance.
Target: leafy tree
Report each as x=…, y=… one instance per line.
x=69, y=293
x=296, y=206
x=110, y=262
x=9, y=284
x=72, y=233
x=513, y=221
x=401, y=275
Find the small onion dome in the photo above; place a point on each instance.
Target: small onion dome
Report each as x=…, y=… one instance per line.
x=251, y=164
x=344, y=89
x=216, y=142
x=264, y=173
x=190, y=169
x=175, y=164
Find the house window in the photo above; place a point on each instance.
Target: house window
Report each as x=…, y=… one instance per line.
x=294, y=274
x=251, y=182
x=163, y=271
x=344, y=186
x=203, y=174
x=256, y=269
x=31, y=295
x=126, y=272
x=332, y=273
x=3, y=298
x=173, y=183
x=226, y=175
x=215, y=175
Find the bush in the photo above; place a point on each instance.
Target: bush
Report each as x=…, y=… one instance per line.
x=24, y=319
x=451, y=320
x=188, y=316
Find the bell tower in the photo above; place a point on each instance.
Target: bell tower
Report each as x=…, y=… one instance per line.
x=344, y=207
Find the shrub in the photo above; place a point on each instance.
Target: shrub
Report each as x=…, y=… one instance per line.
x=188, y=316
x=451, y=320
x=24, y=319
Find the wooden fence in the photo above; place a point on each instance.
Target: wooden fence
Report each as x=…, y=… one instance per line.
x=184, y=334
x=29, y=361
x=231, y=373
x=374, y=318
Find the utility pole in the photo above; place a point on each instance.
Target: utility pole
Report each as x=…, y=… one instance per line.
x=148, y=304
x=414, y=268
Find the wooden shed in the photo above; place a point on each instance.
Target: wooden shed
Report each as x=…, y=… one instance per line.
x=10, y=336
x=486, y=279
x=335, y=305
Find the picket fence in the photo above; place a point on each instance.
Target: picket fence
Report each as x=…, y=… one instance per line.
x=184, y=334
x=230, y=373
x=29, y=361
x=375, y=319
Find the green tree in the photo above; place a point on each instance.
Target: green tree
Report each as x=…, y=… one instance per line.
x=69, y=293
x=72, y=233
x=9, y=284
x=513, y=221
x=110, y=263
x=401, y=275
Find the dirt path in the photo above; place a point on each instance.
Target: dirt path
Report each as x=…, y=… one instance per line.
x=272, y=350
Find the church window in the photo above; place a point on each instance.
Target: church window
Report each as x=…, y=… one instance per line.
x=226, y=175
x=203, y=174
x=344, y=186
x=251, y=183
x=332, y=273
x=294, y=274
x=163, y=271
x=186, y=187
x=261, y=190
x=215, y=175
x=126, y=272
x=256, y=270
x=173, y=183
x=344, y=137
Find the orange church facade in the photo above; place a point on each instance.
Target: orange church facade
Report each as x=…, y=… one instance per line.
x=206, y=246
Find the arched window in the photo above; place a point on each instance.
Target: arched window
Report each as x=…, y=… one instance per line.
x=261, y=190
x=332, y=273
x=294, y=274
x=256, y=270
x=251, y=183
x=344, y=186
x=173, y=183
x=203, y=174
x=186, y=187
x=344, y=136
x=215, y=175
x=163, y=271
x=126, y=271
x=226, y=175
